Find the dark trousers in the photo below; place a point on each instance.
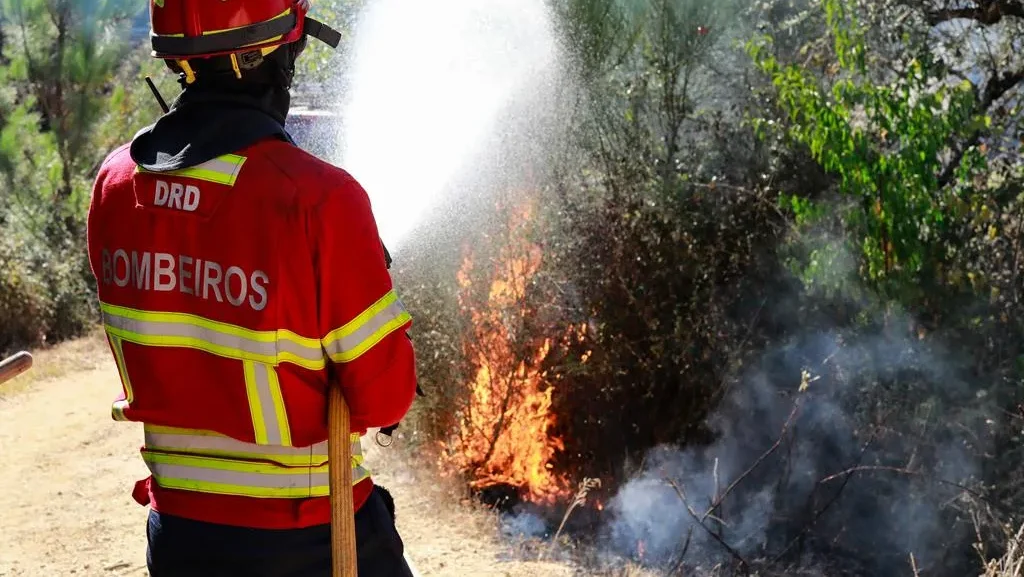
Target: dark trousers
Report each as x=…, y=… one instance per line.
x=185, y=548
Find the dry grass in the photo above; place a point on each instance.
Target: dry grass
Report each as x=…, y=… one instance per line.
x=447, y=533
x=1012, y=562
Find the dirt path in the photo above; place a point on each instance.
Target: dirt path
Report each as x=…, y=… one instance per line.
x=68, y=470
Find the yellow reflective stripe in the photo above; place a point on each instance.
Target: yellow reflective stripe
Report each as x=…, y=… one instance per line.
x=236, y=465
x=222, y=476
x=252, y=391
x=172, y=317
x=117, y=409
x=115, y=344
x=186, y=330
x=360, y=334
x=266, y=405
x=209, y=443
x=163, y=429
x=280, y=413
x=221, y=170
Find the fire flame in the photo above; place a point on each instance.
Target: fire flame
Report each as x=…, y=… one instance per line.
x=503, y=433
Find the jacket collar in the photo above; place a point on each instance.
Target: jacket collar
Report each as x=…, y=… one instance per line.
x=203, y=124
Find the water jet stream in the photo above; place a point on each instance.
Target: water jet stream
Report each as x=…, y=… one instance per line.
x=427, y=83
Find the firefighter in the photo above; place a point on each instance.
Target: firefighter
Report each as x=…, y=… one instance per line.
x=239, y=277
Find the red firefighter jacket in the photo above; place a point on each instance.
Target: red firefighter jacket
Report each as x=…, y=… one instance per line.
x=232, y=293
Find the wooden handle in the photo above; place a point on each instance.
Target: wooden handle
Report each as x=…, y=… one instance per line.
x=14, y=365
x=343, y=516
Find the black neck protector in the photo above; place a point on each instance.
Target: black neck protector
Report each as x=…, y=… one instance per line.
x=219, y=113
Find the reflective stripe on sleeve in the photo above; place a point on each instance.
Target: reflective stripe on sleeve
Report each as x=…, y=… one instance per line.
x=369, y=328
x=117, y=410
x=223, y=339
x=221, y=170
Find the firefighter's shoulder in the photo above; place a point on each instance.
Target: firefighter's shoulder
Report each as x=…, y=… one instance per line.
x=117, y=166
x=118, y=162
x=316, y=182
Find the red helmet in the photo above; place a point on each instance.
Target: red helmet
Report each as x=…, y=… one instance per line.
x=184, y=29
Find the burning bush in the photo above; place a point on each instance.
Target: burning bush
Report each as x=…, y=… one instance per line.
x=503, y=432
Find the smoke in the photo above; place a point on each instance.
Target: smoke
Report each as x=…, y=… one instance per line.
x=779, y=470
x=522, y=524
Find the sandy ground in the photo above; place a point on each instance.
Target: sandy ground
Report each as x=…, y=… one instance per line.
x=68, y=470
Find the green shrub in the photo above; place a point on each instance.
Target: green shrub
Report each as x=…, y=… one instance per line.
x=45, y=292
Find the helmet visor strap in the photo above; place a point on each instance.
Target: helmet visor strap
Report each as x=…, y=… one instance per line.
x=224, y=41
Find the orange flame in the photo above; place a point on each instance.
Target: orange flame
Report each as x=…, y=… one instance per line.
x=503, y=432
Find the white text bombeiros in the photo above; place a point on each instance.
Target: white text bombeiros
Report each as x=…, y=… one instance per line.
x=193, y=276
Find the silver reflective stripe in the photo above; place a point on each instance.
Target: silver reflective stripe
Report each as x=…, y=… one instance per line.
x=195, y=442
x=173, y=472
x=315, y=454
x=174, y=329
x=190, y=331
x=356, y=451
x=239, y=478
x=118, y=408
x=226, y=166
x=359, y=473
x=297, y=349
x=352, y=340
x=269, y=420
x=288, y=485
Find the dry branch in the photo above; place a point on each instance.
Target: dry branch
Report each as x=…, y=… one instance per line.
x=817, y=514
x=782, y=434
x=901, y=471
x=1012, y=562
x=700, y=521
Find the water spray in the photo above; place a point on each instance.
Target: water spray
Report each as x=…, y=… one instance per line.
x=426, y=84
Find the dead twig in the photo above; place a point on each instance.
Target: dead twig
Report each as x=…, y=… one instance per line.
x=901, y=471
x=1012, y=562
x=699, y=520
x=817, y=514
x=588, y=484
x=778, y=442
x=682, y=554
x=718, y=485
